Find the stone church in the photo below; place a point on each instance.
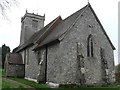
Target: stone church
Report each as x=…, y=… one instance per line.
x=74, y=50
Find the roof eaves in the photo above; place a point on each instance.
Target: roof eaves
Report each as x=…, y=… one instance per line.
x=45, y=44
x=20, y=48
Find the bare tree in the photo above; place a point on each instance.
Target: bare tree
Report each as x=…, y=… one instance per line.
x=5, y=5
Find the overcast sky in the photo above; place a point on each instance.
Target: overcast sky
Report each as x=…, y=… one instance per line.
x=106, y=10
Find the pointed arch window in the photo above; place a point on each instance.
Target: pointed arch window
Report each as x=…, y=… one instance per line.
x=90, y=46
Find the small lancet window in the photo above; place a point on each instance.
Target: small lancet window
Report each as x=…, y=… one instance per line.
x=90, y=46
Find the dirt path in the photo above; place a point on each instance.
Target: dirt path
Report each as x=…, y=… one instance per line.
x=18, y=83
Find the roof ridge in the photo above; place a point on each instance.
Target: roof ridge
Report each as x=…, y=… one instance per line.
x=76, y=11
x=64, y=33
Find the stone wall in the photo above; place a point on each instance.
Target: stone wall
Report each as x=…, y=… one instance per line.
x=31, y=65
x=15, y=70
x=41, y=56
x=62, y=64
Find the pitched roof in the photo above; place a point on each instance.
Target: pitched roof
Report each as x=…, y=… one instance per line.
x=37, y=36
x=14, y=58
x=64, y=26
x=57, y=29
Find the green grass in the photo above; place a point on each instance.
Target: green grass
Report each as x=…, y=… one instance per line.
x=2, y=72
x=112, y=87
x=0, y=78
x=8, y=84
x=30, y=83
x=36, y=85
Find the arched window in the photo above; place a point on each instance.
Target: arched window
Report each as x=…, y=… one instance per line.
x=90, y=46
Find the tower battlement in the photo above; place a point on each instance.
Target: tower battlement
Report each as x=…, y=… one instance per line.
x=30, y=23
x=32, y=15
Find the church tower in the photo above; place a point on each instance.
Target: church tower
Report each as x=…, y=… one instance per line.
x=30, y=23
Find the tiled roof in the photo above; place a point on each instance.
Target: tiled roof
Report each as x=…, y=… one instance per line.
x=14, y=58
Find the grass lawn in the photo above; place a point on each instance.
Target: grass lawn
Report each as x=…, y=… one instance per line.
x=30, y=83
x=22, y=83
x=39, y=86
x=0, y=78
x=10, y=84
x=7, y=84
x=111, y=87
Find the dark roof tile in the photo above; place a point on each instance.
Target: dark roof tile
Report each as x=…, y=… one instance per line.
x=14, y=58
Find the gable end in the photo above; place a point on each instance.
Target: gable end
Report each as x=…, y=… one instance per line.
x=102, y=27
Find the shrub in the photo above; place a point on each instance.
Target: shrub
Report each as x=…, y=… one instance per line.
x=117, y=77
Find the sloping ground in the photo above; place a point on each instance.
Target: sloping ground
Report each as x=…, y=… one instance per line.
x=30, y=83
x=0, y=79
x=7, y=83
x=42, y=87
x=0, y=61
x=22, y=84
x=19, y=83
